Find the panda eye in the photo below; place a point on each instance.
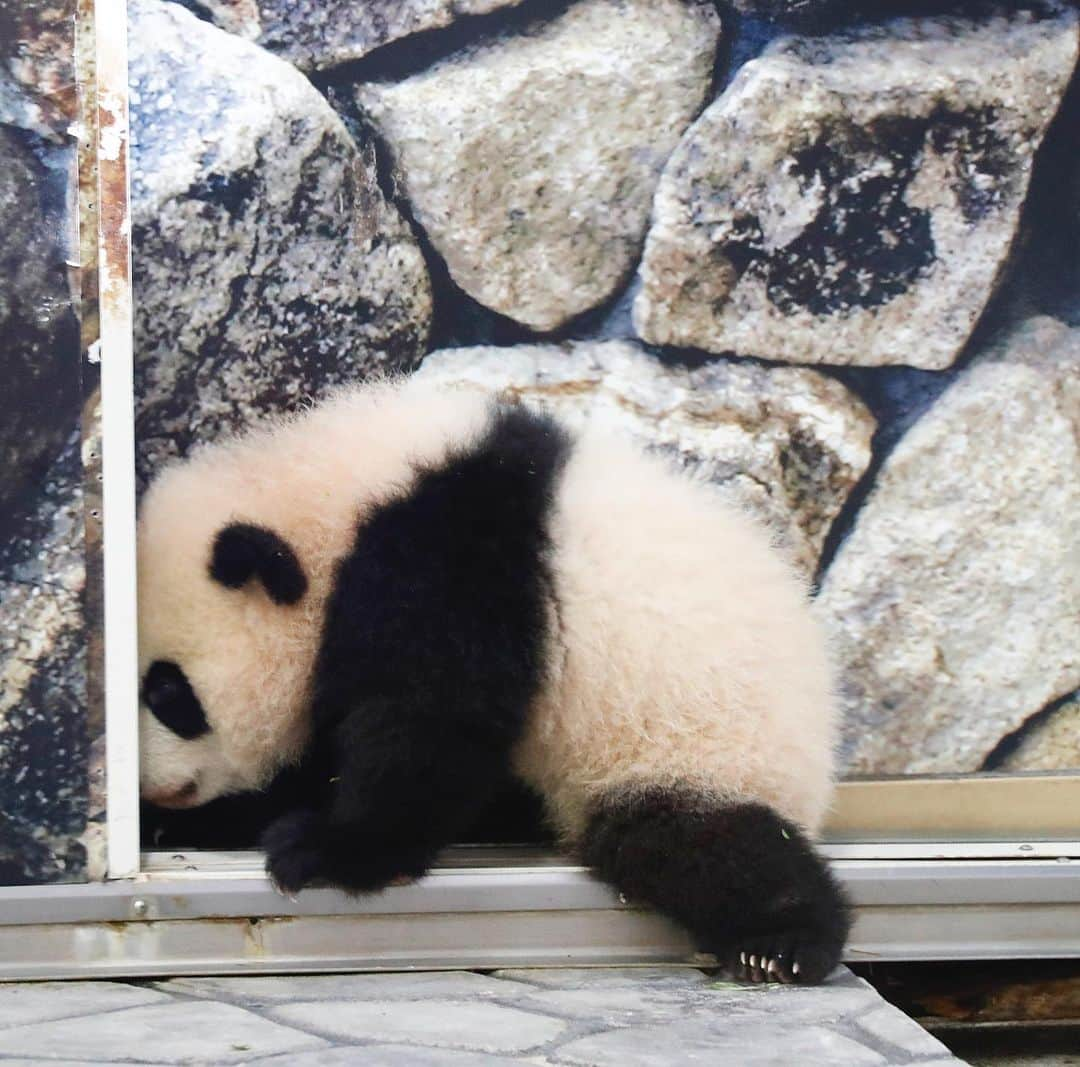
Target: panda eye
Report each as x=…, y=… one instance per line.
x=170, y=698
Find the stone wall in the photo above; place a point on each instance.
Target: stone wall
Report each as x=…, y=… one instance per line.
x=824, y=252
x=47, y=443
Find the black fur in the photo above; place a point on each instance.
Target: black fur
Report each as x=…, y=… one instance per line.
x=514, y=815
x=746, y=883
x=242, y=550
x=435, y=644
x=169, y=696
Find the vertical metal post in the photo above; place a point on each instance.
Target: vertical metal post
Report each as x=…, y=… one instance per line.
x=118, y=443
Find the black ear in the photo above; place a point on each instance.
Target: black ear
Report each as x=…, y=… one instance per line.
x=242, y=550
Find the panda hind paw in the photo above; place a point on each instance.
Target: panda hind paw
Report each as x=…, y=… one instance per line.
x=787, y=957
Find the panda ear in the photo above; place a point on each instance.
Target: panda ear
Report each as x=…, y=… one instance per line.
x=242, y=551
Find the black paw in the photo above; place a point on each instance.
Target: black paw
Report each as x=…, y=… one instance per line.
x=294, y=853
x=372, y=868
x=789, y=956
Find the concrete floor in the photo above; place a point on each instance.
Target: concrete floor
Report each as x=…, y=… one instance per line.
x=608, y=1017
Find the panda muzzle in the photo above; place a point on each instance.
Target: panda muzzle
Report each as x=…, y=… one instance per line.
x=184, y=797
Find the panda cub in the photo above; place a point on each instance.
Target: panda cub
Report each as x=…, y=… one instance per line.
x=415, y=589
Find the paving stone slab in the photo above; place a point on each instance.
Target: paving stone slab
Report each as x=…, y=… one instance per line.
x=442, y=1024
x=616, y=1007
x=606, y=977
x=191, y=1033
x=394, y=986
x=699, y=1042
x=34, y=1002
x=825, y=1004
x=393, y=1056
x=625, y=1016
x=887, y=1024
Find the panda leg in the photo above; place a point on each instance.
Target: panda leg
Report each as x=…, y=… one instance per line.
x=746, y=883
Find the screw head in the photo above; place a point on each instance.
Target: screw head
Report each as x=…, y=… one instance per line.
x=139, y=907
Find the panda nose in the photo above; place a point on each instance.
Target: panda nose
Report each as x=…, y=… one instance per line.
x=172, y=798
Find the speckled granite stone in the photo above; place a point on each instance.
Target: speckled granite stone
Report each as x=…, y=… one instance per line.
x=531, y=160
x=1052, y=743
x=39, y=357
x=43, y=729
x=318, y=34
x=851, y=199
x=789, y=443
x=954, y=604
x=43, y=742
x=268, y=264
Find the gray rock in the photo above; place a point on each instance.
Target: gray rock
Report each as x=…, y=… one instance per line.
x=1052, y=744
x=955, y=602
x=852, y=199
x=39, y=358
x=779, y=8
x=43, y=647
x=43, y=744
x=815, y=13
x=38, y=87
x=789, y=442
x=267, y=263
x=531, y=161
x=316, y=34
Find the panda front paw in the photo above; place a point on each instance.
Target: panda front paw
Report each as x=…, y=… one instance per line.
x=294, y=853
x=301, y=849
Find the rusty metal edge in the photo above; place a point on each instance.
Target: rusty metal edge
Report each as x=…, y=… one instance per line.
x=118, y=440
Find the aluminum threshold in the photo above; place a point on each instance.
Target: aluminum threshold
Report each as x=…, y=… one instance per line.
x=223, y=917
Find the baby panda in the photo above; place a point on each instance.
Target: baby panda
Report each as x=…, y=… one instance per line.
x=413, y=590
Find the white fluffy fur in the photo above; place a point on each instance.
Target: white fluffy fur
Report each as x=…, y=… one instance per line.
x=689, y=653
x=685, y=648
x=249, y=660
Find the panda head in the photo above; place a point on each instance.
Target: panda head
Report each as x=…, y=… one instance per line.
x=228, y=632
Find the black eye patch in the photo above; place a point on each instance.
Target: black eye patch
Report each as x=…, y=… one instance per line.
x=169, y=696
